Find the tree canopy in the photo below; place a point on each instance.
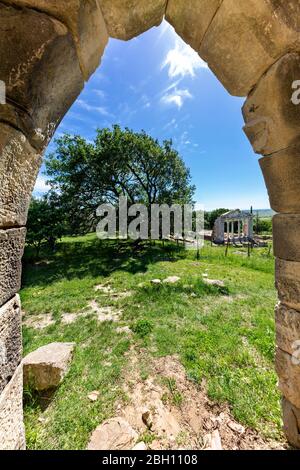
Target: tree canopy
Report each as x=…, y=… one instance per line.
x=118, y=163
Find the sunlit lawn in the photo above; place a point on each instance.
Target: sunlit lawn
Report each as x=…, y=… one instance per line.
x=224, y=336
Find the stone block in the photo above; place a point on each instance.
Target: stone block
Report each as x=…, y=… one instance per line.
x=12, y=433
x=246, y=37
x=291, y=422
x=19, y=165
x=282, y=176
x=10, y=340
x=288, y=370
x=287, y=274
x=45, y=368
x=286, y=236
x=41, y=71
x=11, y=251
x=84, y=20
x=287, y=329
x=191, y=19
x=271, y=111
x=126, y=19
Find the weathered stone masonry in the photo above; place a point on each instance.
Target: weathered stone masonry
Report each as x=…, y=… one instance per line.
x=49, y=48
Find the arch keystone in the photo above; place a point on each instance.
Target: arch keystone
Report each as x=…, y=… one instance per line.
x=126, y=19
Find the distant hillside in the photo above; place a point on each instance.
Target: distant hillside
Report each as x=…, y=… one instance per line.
x=264, y=212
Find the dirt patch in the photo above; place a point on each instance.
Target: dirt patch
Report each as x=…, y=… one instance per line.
x=105, y=313
x=38, y=322
x=112, y=293
x=170, y=412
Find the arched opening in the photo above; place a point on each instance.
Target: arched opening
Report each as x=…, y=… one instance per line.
x=268, y=74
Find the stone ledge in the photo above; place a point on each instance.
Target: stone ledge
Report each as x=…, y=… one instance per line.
x=291, y=422
x=12, y=432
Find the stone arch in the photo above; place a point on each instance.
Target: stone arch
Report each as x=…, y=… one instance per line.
x=50, y=48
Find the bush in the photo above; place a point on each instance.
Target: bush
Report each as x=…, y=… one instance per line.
x=143, y=328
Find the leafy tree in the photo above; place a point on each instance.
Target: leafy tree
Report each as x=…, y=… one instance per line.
x=45, y=223
x=262, y=225
x=211, y=217
x=118, y=163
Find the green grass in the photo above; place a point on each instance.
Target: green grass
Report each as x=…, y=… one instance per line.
x=224, y=336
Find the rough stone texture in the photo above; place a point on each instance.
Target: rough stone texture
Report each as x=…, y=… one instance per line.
x=19, y=165
x=287, y=329
x=11, y=252
x=288, y=282
x=126, y=19
x=282, y=176
x=286, y=236
x=41, y=72
x=291, y=422
x=191, y=19
x=272, y=118
x=85, y=21
x=10, y=340
x=113, y=434
x=246, y=37
x=12, y=433
x=288, y=370
x=46, y=367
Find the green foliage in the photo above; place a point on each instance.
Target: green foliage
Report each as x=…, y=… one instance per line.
x=224, y=341
x=45, y=223
x=118, y=163
x=143, y=328
x=211, y=217
x=263, y=225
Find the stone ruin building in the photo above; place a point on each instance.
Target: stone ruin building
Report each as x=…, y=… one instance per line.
x=233, y=226
x=50, y=48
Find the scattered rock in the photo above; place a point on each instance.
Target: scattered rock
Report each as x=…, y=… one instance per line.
x=171, y=280
x=140, y=446
x=93, y=396
x=236, y=427
x=141, y=285
x=113, y=434
x=204, y=275
x=147, y=419
x=104, y=288
x=124, y=329
x=46, y=367
x=155, y=281
x=214, y=282
x=105, y=313
x=213, y=441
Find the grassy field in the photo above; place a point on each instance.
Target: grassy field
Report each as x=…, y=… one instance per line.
x=223, y=336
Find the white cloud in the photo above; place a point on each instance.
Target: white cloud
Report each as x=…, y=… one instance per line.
x=177, y=97
x=99, y=109
x=100, y=93
x=183, y=61
x=41, y=185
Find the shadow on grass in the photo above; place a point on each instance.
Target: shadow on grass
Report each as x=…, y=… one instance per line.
x=92, y=257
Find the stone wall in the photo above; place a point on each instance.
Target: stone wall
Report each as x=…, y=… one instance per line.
x=50, y=51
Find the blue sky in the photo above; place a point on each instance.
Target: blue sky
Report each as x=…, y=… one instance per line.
x=157, y=83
